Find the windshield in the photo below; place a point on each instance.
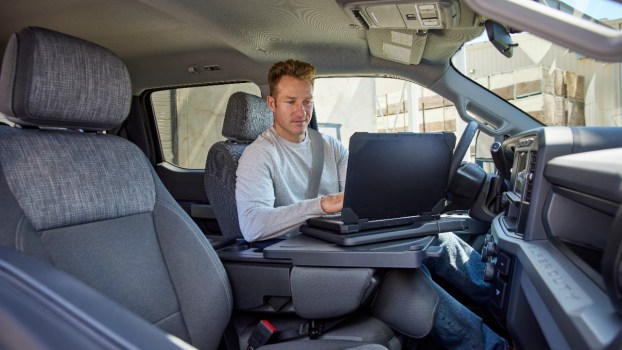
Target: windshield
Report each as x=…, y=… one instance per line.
x=551, y=83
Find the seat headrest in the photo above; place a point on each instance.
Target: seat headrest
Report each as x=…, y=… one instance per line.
x=53, y=79
x=246, y=117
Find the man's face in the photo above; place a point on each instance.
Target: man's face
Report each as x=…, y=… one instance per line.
x=292, y=108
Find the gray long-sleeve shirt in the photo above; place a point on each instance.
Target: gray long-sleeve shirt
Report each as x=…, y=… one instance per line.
x=272, y=178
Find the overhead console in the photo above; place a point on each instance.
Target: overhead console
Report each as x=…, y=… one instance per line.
x=409, y=31
x=422, y=15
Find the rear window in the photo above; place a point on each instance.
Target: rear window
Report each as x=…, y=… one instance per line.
x=189, y=120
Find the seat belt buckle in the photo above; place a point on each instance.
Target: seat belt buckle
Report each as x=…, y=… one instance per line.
x=316, y=329
x=262, y=334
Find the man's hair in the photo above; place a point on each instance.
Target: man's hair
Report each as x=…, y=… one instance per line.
x=297, y=69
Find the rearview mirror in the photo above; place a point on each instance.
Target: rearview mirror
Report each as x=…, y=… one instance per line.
x=500, y=38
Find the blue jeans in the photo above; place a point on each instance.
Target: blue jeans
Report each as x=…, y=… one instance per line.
x=456, y=327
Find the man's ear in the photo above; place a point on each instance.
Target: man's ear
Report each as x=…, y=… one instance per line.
x=271, y=103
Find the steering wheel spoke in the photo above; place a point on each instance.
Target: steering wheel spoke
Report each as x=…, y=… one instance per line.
x=461, y=149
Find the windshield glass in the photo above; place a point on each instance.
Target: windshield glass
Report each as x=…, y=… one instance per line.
x=551, y=83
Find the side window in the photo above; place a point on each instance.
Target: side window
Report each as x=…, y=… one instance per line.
x=347, y=105
x=189, y=120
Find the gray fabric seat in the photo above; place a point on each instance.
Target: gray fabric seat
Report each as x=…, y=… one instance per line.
x=246, y=117
x=91, y=204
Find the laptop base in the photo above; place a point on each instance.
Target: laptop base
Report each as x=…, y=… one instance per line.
x=334, y=223
x=417, y=229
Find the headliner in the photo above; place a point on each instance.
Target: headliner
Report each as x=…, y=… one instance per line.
x=160, y=39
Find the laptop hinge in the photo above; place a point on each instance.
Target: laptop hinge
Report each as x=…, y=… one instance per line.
x=348, y=216
x=438, y=208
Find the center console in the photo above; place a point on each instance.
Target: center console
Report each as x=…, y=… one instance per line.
x=313, y=279
x=268, y=269
x=262, y=274
x=521, y=183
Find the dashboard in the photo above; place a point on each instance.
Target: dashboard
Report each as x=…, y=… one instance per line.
x=553, y=255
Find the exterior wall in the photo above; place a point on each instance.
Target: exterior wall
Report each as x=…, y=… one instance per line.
x=554, y=86
x=551, y=95
x=565, y=75
x=350, y=102
x=162, y=102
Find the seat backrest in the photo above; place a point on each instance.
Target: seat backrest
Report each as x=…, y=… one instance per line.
x=246, y=117
x=90, y=203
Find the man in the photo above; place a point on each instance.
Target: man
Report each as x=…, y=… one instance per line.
x=272, y=185
x=273, y=172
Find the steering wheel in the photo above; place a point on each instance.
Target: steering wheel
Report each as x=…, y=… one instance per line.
x=461, y=149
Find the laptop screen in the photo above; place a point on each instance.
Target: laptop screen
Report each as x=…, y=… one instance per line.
x=396, y=174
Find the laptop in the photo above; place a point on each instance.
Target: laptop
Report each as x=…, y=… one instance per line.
x=393, y=180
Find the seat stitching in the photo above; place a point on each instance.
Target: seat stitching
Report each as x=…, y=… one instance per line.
x=167, y=317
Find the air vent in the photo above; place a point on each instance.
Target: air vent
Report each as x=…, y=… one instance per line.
x=358, y=14
x=531, y=171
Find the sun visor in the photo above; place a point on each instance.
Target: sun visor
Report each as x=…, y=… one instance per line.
x=403, y=46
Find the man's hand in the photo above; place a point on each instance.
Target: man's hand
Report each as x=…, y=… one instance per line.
x=332, y=203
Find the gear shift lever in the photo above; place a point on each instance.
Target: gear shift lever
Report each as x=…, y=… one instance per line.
x=498, y=158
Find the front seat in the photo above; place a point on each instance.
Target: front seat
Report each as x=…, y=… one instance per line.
x=90, y=203
x=246, y=117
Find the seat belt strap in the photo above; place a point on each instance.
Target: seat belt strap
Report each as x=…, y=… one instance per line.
x=317, y=163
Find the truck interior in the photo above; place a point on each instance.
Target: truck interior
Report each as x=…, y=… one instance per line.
x=122, y=123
